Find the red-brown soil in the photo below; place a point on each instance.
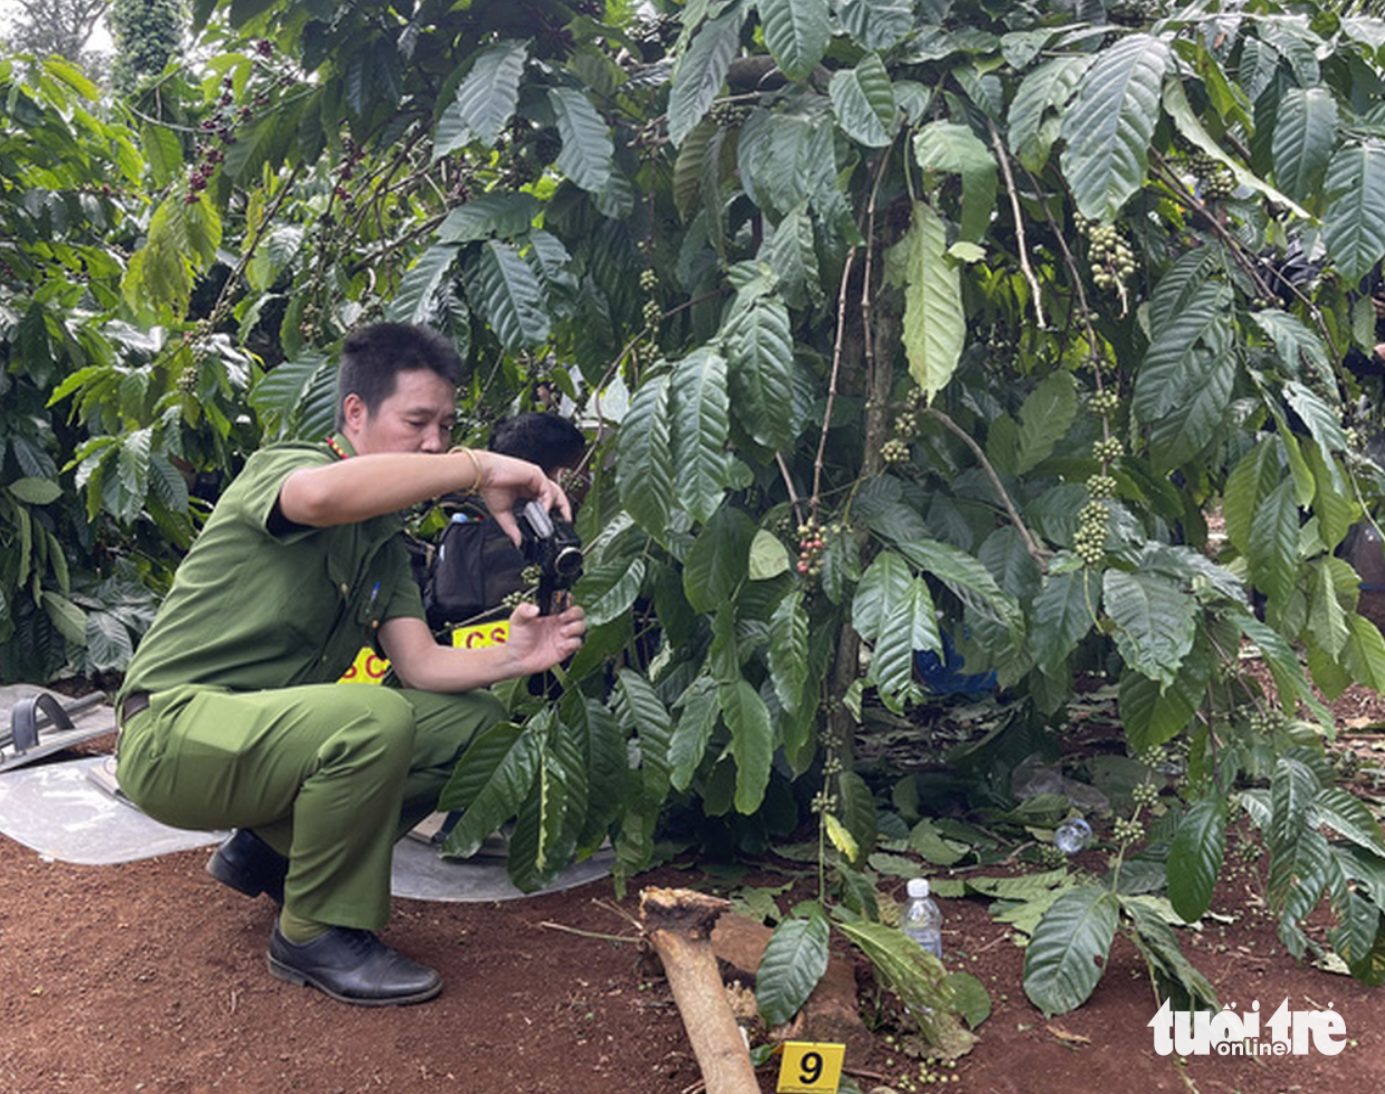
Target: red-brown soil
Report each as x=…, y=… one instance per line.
x=149, y=976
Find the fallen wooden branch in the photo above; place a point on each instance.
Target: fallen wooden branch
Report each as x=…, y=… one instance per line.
x=678, y=924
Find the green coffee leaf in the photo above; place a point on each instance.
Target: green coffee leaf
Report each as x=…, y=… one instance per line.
x=1064, y=959
x=644, y=461
x=1195, y=858
x=1354, y=224
x=796, y=33
x=587, y=154
x=863, y=102
x=485, y=100
x=1109, y=126
x=752, y=741
x=701, y=72
x=1156, y=621
x=793, y=963
x=490, y=783
x=934, y=322
x=699, y=421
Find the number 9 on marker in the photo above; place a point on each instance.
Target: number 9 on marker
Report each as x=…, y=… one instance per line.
x=810, y=1068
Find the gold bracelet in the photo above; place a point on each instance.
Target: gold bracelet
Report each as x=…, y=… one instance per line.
x=478, y=469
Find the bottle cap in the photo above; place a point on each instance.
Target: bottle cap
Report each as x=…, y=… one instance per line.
x=918, y=887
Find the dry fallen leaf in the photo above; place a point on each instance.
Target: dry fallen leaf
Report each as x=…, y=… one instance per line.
x=1066, y=1037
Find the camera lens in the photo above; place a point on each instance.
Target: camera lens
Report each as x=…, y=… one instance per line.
x=568, y=562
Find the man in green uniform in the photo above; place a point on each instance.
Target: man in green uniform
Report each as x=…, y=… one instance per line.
x=229, y=715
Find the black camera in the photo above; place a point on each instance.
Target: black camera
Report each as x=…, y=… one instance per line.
x=550, y=543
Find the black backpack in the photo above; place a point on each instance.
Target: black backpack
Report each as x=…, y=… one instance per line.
x=474, y=568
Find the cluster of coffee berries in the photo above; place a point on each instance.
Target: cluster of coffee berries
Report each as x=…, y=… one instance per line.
x=729, y=115
x=1146, y=795
x=311, y=327
x=649, y=285
x=547, y=145
x=1215, y=180
x=661, y=30
x=574, y=481
x=218, y=131
x=645, y=352
x=518, y=173
x=1101, y=487
x=1089, y=543
x=515, y=599
x=894, y=451
x=195, y=340
x=823, y=802
x=928, y=1073
x=648, y=137
x=354, y=153
x=1108, y=450
x=1266, y=721
x=209, y=156
x=220, y=128
x=1104, y=402
x=1112, y=259
x=997, y=341
x=1051, y=855
x=1127, y=830
x=1133, y=13
x=906, y=427
x=812, y=541
x=1170, y=758
x=906, y=423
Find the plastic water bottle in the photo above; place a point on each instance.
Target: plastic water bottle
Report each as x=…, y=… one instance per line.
x=1072, y=835
x=921, y=919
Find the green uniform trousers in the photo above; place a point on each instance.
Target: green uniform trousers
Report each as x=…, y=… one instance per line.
x=330, y=775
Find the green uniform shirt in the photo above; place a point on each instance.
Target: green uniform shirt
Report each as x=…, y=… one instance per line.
x=250, y=610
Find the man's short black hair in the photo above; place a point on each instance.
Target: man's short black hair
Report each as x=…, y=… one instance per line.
x=547, y=439
x=373, y=356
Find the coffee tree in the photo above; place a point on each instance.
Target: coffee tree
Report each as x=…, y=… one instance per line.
x=71, y=595
x=904, y=327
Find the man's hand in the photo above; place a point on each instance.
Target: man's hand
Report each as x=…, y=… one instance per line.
x=507, y=481
x=538, y=642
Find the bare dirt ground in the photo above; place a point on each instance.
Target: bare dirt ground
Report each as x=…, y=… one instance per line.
x=149, y=976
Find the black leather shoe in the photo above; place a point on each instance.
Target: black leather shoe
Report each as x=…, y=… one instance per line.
x=353, y=966
x=250, y=866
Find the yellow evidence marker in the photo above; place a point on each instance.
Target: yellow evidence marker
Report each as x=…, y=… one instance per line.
x=808, y=1067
